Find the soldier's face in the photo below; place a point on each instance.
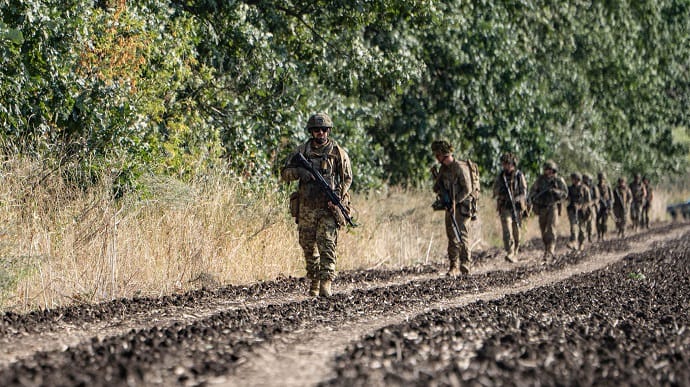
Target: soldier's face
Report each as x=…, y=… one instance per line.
x=548, y=172
x=320, y=134
x=508, y=167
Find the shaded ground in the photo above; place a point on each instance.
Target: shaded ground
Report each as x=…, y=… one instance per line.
x=239, y=325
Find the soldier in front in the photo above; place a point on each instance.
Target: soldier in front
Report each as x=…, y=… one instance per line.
x=318, y=219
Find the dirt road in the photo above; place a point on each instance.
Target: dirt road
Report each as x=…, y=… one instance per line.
x=272, y=334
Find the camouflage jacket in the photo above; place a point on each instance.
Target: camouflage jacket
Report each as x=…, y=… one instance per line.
x=594, y=195
x=455, y=180
x=650, y=194
x=332, y=162
x=622, y=196
x=605, y=194
x=579, y=197
x=639, y=193
x=518, y=188
x=548, y=191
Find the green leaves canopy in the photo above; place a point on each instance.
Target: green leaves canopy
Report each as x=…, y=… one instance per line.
x=178, y=87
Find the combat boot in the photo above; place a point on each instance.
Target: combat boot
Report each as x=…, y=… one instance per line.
x=325, y=289
x=510, y=257
x=453, y=270
x=465, y=268
x=314, y=288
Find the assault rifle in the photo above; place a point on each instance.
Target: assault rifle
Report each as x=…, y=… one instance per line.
x=513, y=211
x=446, y=201
x=332, y=196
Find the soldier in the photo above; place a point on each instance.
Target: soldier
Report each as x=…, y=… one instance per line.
x=621, y=205
x=453, y=183
x=594, y=200
x=579, y=200
x=317, y=218
x=510, y=190
x=647, y=202
x=604, y=207
x=546, y=195
x=638, y=200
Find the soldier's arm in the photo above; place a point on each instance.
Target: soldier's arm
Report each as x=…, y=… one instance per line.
x=521, y=188
x=289, y=172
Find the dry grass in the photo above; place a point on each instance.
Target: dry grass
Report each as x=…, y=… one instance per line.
x=59, y=245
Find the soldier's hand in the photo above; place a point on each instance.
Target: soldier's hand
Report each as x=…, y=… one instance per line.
x=304, y=175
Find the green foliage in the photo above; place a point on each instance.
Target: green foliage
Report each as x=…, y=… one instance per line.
x=120, y=89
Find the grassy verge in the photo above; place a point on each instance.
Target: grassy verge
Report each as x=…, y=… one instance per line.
x=60, y=245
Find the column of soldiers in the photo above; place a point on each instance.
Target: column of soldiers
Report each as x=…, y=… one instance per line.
x=321, y=204
x=589, y=205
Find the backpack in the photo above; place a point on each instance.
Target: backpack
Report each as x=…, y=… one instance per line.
x=475, y=186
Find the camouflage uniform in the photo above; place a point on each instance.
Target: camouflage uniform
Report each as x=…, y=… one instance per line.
x=454, y=179
x=594, y=196
x=579, y=201
x=317, y=224
x=604, y=207
x=546, y=194
x=621, y=205
x=514, y=179
x=639, y=194
x=647, y=203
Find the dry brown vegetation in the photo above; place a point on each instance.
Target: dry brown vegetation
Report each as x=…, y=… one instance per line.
x=60, y=245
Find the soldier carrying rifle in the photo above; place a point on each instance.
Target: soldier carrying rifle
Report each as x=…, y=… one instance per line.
x=579, y=199
x=545, y=196
x=455, y=184
x=320, y=206
x=510, y=191
x=605, y=205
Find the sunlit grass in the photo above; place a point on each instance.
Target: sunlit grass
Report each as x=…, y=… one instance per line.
x=60, y=245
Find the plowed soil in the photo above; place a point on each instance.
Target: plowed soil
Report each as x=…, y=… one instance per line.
x=616, y=313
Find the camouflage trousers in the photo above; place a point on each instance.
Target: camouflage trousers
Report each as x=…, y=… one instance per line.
x=644, y=218
x=318, y=237
x=602, y=222
x=511, y=231
x=635, y=212
x=458, y=250
x=621, y=220
x=548, y=219
x=578, y=227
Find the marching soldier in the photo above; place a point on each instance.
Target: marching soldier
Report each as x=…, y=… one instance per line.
x=647, y=203
x=605, y=205
x=639, y=194
x=546, y=195
x=317, y=218
x=590, y=215
x=579, y=199
x=621, y=205
x=510, y=190
x=454, y=184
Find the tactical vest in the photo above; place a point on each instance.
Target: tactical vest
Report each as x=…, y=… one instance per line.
x=327, y=160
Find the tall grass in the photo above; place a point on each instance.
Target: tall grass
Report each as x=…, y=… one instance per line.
x=61, y=245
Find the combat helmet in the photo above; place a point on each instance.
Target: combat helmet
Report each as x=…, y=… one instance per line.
x=576, y=176
x=319, y=120
x=442, y=147
x=586, y=177
x=601, y=176
x=509, y=158
x=550, y=164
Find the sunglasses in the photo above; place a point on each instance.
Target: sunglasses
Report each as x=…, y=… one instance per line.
x=314, y=130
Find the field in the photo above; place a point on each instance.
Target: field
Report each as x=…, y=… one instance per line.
x=614, y=314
